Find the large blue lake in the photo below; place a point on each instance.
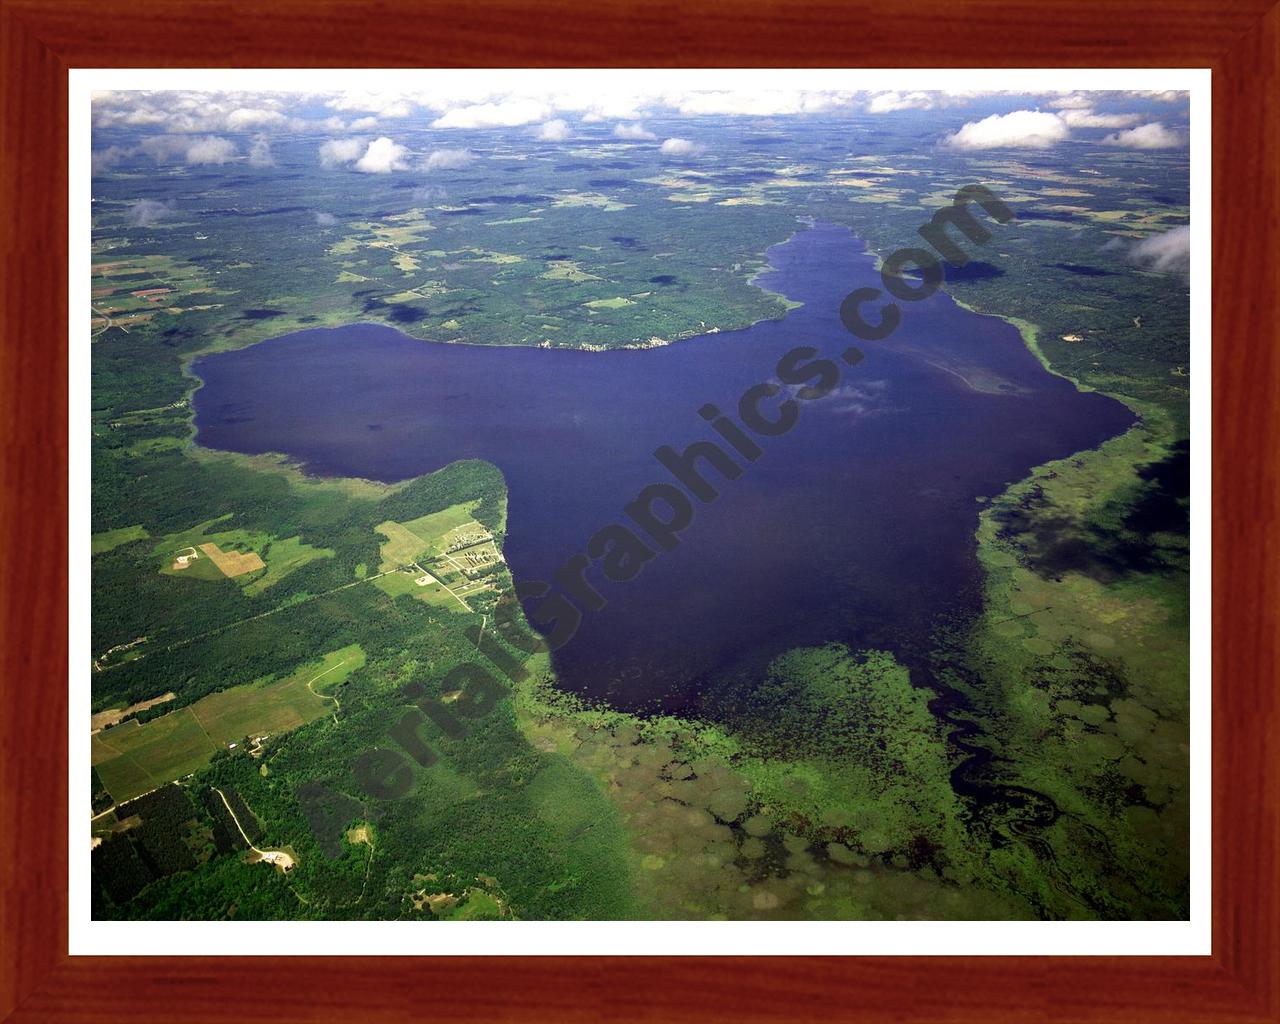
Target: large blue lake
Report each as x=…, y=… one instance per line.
x=857, y=525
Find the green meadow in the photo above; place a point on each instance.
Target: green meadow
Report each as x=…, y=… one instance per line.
x=109, y=539
x=132, y=758
x=280, y=555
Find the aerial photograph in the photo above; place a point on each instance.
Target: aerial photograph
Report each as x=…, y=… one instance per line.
x=608, y=497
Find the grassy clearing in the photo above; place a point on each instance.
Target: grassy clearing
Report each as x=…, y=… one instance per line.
x=156, y=444
x=333, y=489
x=109, y=539
x=283, y=556
x=255, y=559
x=594, y=199
x=567, y=270
x=398, y=583
x=402, y=545
x=442, y=557
x=133, y=758
x=427, y=535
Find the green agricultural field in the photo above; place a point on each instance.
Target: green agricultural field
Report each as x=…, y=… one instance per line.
x=109, y=539
x=427, y=535
x=449, y=545
x=133, y=758
x=402, y=545
x=405, y=582
x=281, y=556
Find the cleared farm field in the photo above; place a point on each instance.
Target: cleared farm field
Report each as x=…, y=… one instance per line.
x=110, y=717
x=438, y=555
x=438, y=525
x=402, y=545
x=283, y=556
x=237, y=554
x=233, y=563
x=427, y=535
x=432, y=593
x=133, y=758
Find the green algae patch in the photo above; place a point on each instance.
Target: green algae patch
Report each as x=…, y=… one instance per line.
x=1083, y=653
x=721, y=825
x=844, y=741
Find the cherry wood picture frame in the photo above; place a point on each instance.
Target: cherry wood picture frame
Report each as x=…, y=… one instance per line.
x=41, y=39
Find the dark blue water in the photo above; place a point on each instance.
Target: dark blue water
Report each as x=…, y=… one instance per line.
x=857, y=525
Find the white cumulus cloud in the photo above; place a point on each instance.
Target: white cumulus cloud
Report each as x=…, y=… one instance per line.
x=1022, y=129
x=382, y=157
x=403, y=108
x=633, y=132
x=553, y=131
x=165, y=147
x=1088, y=118
x=1161, y=96
x=507, y=114
x=253, y=117
x=1072, y=101
x=602, y=106
x=211, y=150
x=336, y=152
x=448, y=159
x=1168, y=252
x=260, y=153
x=429, y=194
x=112, y=156
x=146, y=212
x=888, y=102
x=1147, y=136
x=758, y=102
x=383, y=104
x=681, y=147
